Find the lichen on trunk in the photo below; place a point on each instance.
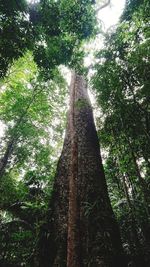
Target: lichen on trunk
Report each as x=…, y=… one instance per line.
x=84, y=232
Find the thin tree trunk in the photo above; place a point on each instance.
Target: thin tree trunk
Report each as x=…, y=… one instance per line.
x=4, y=159
x=15, y=137
x=134, y=234
x=84, y=232
x=137, y=171
x=141, y=181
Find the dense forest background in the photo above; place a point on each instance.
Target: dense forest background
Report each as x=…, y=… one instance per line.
x=35, y=40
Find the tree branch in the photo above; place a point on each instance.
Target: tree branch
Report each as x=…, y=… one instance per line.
x=103, y=6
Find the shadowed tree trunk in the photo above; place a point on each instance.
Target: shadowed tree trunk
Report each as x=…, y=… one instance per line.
x=84, y=232
x=4, y=159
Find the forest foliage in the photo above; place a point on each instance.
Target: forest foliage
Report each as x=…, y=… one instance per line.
x=35, y=40
x=122, y=84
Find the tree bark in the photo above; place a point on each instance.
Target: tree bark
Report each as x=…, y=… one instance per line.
x=84, y=232
x=73, y=211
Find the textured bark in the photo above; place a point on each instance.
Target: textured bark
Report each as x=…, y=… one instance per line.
x=84, y=232
x=73, y=214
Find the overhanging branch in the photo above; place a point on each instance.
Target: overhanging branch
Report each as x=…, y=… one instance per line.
x=103, y=6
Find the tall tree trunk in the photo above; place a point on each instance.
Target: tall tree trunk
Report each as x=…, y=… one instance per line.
x=83, y=228
x=73, y=211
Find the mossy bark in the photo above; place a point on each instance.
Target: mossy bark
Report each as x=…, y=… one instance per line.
x=84, y=232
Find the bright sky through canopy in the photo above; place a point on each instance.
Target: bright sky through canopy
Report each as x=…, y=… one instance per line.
x=110, y=14
x=109, y=17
